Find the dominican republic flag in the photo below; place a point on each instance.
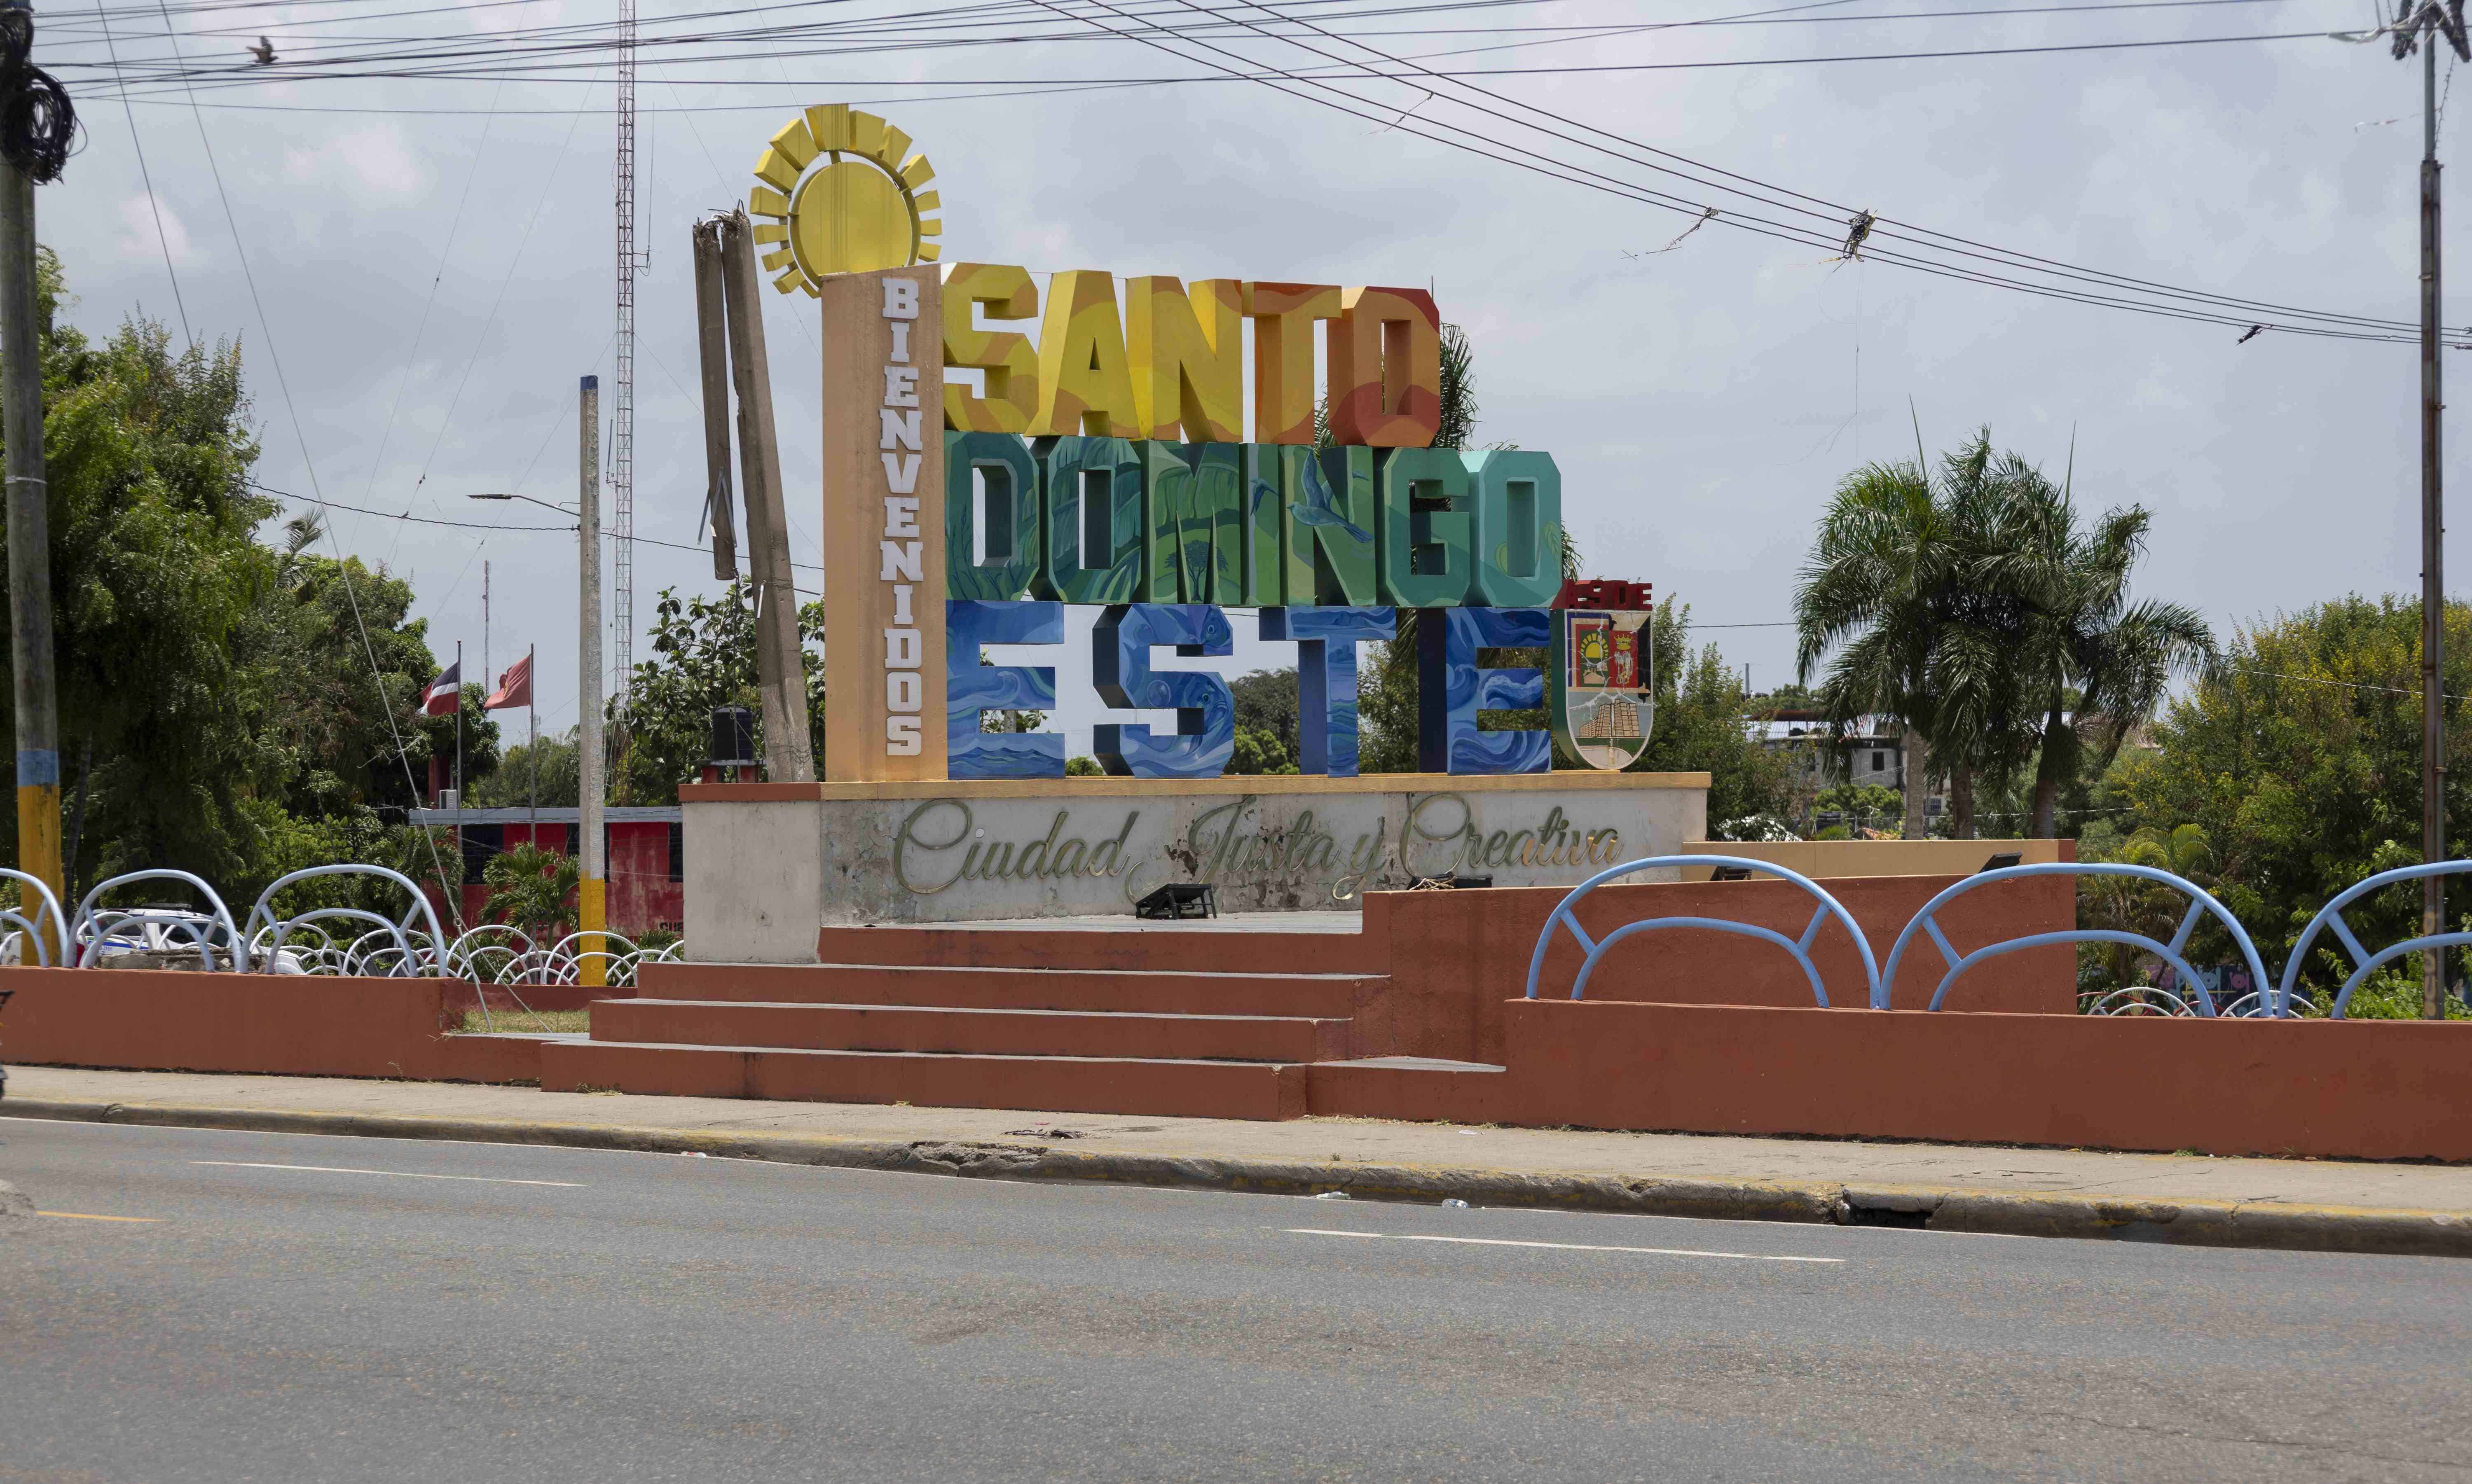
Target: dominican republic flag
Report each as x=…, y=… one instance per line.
x=514, y=687
x=444, y=693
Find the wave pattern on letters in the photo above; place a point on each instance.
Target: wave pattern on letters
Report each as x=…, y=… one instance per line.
x=972, y=686
x=1205, y=735
x=1471, y=690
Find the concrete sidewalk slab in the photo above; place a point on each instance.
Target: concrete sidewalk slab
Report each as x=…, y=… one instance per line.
x=2328, y=1205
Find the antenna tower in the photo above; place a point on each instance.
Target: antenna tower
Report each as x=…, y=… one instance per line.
x=621, y=408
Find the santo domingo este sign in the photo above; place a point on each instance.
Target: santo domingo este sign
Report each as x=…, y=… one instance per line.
x=1103, y=463
x=978, y=478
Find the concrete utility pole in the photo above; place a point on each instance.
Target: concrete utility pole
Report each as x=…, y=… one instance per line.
x=30, y=542
x=2410, y=27
x=592, y=889
x=789, y=751
x=712, y=354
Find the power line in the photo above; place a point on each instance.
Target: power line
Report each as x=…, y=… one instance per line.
x=2349, y=685
x=1836, y=212
x=431, y=520
x=283, y=385
x=400, y=515
x=151, y=204
x=490, y=65
x=2345, y=327
x=445, y=252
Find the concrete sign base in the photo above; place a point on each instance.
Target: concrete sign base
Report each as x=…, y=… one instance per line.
x=768, y=864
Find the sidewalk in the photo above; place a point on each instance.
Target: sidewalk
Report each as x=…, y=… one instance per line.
x=2423, y=1209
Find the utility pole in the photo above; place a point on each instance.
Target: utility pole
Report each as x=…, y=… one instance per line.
x=780, y=666
x=2410, y=27
x=592, y=888
x=712, y=355
x=30, y=544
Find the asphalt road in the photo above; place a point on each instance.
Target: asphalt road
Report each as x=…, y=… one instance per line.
x=301, y=1308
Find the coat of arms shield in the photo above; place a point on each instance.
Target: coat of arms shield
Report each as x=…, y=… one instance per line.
x=1604, y=692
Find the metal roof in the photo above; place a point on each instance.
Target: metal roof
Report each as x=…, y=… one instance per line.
x=648, y=813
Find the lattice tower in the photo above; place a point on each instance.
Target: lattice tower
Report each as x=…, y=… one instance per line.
x=621, y=471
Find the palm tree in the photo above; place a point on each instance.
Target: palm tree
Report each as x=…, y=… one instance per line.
x=2128, y=904
x=1871, y=591
x=2077, y=632
x=1981, y=731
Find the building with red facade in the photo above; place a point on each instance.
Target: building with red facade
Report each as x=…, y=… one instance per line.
x=646, y=853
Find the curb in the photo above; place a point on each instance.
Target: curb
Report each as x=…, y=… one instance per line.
x=2199, y=1223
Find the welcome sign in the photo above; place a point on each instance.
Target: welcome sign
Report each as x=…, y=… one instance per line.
x=979, y=478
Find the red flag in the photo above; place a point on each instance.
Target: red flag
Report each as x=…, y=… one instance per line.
x=514, y=687
x=444, y=693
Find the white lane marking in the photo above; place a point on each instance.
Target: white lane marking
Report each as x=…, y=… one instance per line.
x=1499, y=1241
x=399, y=1174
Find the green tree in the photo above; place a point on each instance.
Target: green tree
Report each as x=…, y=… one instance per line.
x=2078, y=640
x=2153, y=910
x=1868, y=599
x=1457, y=391
x=546, y=772
x=2298, y=757
x=203, y=718
x=1385, y=710
x=1864, y=806
x=1977, y=613
x=703, y=657
x=1267, y=701
x=534, y=889
x=1259, y=752
x=231, y=706
x=1704, y=724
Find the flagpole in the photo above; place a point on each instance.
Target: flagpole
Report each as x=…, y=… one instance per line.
x=532, y=744
x=459, y=786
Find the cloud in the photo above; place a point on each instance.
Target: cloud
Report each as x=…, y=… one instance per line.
x=2277, y=472
x=141, y=238
x=370, y=166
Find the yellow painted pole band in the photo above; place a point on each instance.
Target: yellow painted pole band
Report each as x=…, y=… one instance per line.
x=38, y=855
x=592, y=900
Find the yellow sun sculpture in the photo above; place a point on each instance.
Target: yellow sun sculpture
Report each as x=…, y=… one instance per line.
x=842, y=197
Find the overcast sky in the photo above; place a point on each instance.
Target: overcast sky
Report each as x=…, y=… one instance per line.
x=435, y=282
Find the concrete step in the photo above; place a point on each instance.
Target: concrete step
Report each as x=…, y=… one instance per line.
x=876, y=1027
x=1152, y=945
x=1040, y=1084
x=1424, y=1089
x=1152, y=991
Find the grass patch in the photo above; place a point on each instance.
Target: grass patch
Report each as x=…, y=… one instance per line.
x=528, y=1022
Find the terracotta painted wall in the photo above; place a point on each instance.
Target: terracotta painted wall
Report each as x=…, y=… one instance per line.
x=301, y=1025
x=1454, y=957
x=2361, y=1089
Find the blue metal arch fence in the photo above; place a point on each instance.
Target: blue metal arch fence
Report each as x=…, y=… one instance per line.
x=2331, y=915
x=2200, y=903
x=1827, y=906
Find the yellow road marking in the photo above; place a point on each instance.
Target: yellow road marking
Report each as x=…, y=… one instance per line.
x=81, y=1215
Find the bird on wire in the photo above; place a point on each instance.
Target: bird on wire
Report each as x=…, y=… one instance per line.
x=264, y=52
